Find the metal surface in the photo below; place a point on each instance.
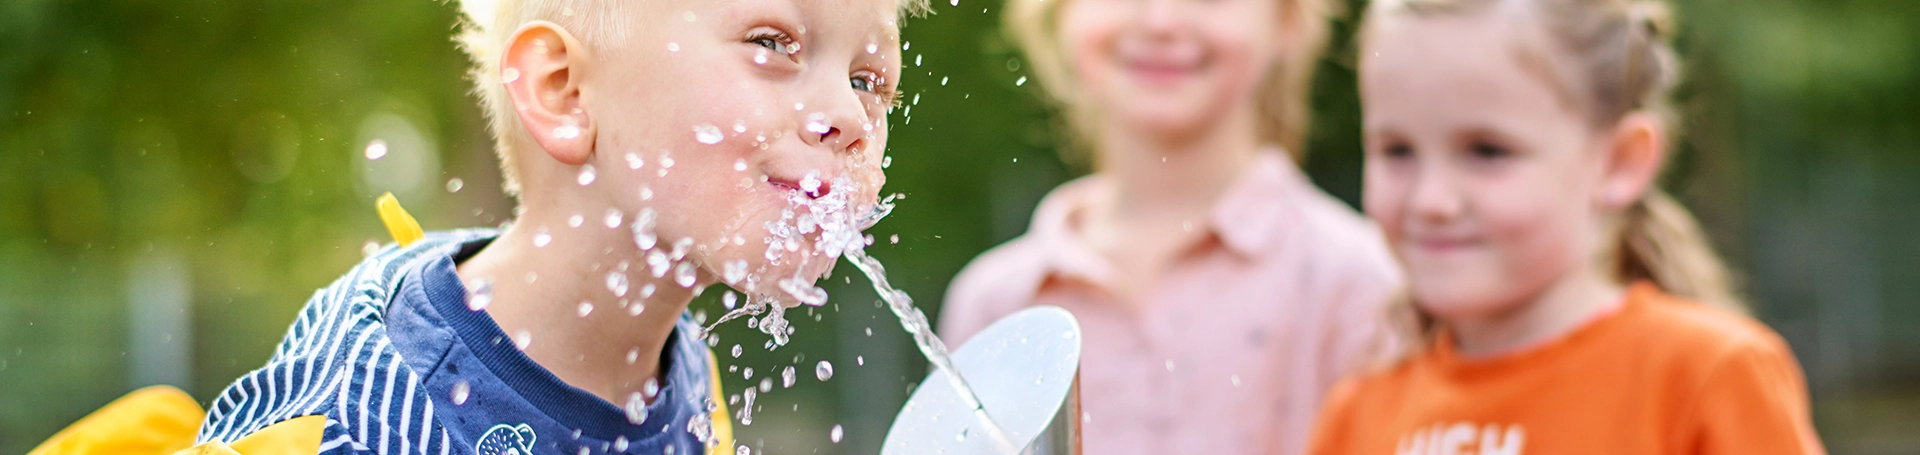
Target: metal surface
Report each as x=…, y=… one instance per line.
x=1025, y=368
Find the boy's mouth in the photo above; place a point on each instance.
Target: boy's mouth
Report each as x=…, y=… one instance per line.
x=812, y=185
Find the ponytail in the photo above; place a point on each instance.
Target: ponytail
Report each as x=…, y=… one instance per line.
x=1660, y=242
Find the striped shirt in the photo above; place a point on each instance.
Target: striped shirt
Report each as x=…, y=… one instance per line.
x=393, y=358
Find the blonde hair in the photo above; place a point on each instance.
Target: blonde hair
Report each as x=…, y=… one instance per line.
x=1284, y=104
x=487, y=26
x=1622, y=53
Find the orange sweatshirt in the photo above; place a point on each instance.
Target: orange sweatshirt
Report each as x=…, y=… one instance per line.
x=1660, y=376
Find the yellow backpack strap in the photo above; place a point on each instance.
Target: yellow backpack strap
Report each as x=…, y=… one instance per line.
x=401, y=224
x=722, y=424
x=296, y=436
x=151, y=421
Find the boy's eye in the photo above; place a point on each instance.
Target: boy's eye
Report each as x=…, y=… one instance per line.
x=864, y=83
x=777, y=42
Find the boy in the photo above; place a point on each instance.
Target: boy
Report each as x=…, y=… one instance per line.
x=657, y=147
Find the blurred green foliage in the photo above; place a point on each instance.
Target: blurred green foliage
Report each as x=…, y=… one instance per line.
x=227, y=135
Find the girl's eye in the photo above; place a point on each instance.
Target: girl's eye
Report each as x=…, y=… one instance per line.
x=1398, y=151
x=1489, y=151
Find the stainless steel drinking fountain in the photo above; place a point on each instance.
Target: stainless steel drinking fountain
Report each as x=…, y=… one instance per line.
x=1025, y=368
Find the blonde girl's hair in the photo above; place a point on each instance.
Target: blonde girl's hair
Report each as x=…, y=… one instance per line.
x=1284, y=103
x=1623, y=63
x=488, y=24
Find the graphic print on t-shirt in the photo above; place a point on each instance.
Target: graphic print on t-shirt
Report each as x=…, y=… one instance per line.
x=505, y=440
x=1464, y=438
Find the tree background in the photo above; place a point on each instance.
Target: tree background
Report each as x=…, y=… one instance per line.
x=178, y=176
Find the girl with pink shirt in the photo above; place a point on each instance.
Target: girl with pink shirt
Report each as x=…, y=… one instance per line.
x=1221, y=294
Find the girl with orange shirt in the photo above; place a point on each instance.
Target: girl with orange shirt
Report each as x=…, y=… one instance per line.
x=1560, y=302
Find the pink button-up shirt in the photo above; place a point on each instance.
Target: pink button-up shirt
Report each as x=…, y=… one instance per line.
x=1233, y=348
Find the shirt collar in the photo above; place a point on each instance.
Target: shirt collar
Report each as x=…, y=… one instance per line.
x=1248, y=219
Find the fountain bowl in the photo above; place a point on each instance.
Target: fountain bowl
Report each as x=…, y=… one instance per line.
x=1025, y=368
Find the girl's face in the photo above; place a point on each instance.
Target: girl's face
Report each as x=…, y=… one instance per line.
x=734, y=123
x=1170, y=67
x=1479, y=168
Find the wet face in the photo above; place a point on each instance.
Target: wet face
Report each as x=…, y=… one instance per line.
x=742, y=126
x=1170, y=67
x=1481, y=174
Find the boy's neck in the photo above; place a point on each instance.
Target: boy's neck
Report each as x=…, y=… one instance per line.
x=538, y=291
x=1562, y=308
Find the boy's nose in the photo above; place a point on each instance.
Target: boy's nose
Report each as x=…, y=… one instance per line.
x=832, y=132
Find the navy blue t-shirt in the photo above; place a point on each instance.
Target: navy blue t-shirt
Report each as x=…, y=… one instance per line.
x=381, y=352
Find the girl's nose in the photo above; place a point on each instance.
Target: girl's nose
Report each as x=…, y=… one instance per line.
x=1434, y=197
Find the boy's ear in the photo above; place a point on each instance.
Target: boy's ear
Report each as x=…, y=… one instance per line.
x=1638, y=151
x=541, y=68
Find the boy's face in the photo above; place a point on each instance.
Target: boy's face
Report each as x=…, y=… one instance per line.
x=728, y=118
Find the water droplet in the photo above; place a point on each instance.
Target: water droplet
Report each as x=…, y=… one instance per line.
x=707, y=134
x=799, y=106
x=893, y=239
x=673, y=47
x=1169, y=365
x=735, y=270
x=646, y=193
x=680, y=248
x=817, y=123
x=740, y=164
x=743, y=450
x=737, y=350
x=479, y=294
x=376, y=149
x=620, y=443
x=1022, y=81
x=613, y=218
x=586, y=174
x=683, y=275
x=646, y=291
x=636, y=408
x=521, y=339
x=766, y=385
x=460, y=390
x=642, y=226
x=634, y=161
x=542, y=238
x=810, y=184
x=658, y=264
x=507, y=76
x=804, y=291
x=824, y=370
x=731, y=300
x=651, y=387
x=873, y=48
x=576, y=220
x=455, y=184
x=963, y=434
x=943, y=81
x=566, y=132
x=916, y=59
x=747, y=373
x=834, y=434
x=688, y=16
x=586, y=308
x=635, y=308
x=760, y=56
x=886, y=161
x=787, y=377
x=908, y=45
x=633, y=355
x=1235, y=379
